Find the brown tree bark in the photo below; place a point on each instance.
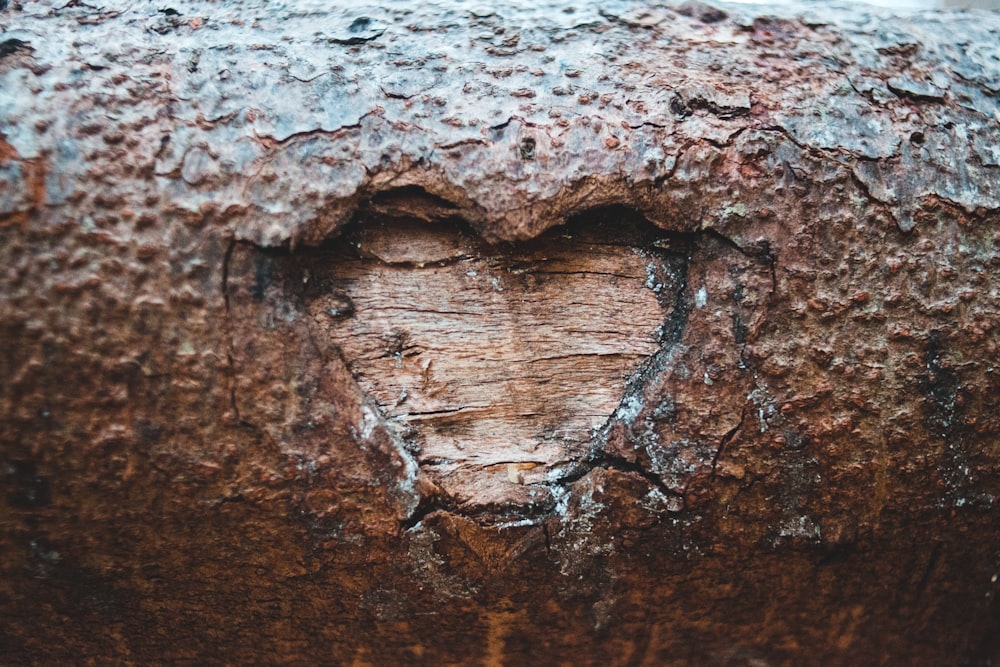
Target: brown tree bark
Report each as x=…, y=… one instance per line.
x=598, y=333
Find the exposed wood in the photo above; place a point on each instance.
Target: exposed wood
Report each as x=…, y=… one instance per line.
x=500, y=365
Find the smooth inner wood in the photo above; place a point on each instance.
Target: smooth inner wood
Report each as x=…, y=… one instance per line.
x=499, y=362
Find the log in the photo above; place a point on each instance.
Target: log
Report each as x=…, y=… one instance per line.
x=438, y=333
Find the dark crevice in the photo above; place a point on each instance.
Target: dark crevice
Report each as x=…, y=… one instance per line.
x=861, y=185
x=728, y=142
x=543, y=272
x=463, y=142
x=772, y=261
x=426, y=506
x=501, y=126
x=484, y=515
x=676, y=303
x=435, y=461
x=11, y=46
x=868, y=95
x=915, y=94
x=647, y=123
x=684, y=105
x=315, y=132
x=664, y=178
x=411, y=193
x=728, y=438
x=606, y=461
x=310, y=79
x=434, y=413
x=925, y=578
x=728, y=242
x=305, y=134
x=395, y=96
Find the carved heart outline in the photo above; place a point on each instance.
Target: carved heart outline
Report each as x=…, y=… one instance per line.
x=664, y=426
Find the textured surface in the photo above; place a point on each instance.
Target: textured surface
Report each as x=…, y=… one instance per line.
x=498, y=365
x=198, y=465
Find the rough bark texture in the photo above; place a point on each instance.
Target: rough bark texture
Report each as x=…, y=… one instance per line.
x=751, y=393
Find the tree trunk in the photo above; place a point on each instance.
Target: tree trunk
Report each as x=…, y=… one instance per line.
x=606, y=333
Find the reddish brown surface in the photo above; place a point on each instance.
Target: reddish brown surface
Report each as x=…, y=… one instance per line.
x=801, y=466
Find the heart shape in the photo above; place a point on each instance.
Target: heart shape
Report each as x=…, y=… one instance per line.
x=500, y=364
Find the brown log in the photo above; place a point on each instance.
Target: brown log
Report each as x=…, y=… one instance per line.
x=596, y=333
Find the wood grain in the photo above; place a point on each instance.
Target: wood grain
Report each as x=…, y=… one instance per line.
x=499, y=362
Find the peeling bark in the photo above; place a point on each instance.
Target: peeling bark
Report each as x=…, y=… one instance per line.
x=736, y=269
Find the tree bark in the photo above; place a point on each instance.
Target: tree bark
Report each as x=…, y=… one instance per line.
x=606, y=333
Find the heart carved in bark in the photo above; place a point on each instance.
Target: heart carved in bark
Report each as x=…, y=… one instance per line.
x=503, y=368
x=500, y=363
